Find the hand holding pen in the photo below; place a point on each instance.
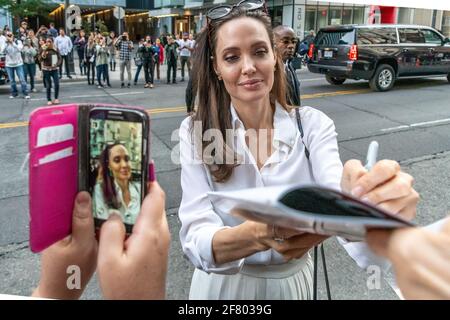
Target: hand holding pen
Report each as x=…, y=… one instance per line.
x=381, y=183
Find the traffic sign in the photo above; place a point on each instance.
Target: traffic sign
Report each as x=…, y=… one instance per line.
x=119, y=13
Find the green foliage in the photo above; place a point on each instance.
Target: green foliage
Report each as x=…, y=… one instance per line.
x=26, y=8
x=101, y=26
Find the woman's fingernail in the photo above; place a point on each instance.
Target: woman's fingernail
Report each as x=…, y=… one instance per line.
x=151, y=172
x=365, y=199
x=82, y=201
x=357, y=191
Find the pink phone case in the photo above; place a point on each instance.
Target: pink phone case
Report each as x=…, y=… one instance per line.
x=53, y=185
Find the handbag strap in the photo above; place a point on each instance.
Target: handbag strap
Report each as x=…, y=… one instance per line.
x=322, y=251
x=300, y=128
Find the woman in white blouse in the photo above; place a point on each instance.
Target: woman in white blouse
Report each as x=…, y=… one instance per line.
x=241, y=90
x=114, y=191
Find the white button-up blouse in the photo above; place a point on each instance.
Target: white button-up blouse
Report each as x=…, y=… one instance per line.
x=201, y=219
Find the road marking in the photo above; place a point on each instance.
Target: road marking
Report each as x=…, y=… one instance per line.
x=334, y=93
x=418, y=124
x=13, y=124
x=94, y=95
x=149, y=111
x=181, y=108
x=312, y=79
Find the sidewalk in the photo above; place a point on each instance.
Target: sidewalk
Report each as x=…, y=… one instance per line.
x=115, y=75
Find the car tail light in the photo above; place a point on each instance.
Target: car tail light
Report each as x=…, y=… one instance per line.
x=353, y=53
x=2, y=63
x=311, y=50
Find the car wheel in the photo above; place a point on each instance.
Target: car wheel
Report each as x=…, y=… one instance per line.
x=334, y=80
x=383, y=79
x=448, y=77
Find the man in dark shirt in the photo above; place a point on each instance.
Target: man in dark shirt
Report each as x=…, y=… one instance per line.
x=286, y=41
x=171, y=57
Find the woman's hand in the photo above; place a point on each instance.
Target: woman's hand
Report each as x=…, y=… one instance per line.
x=421, y=259
x=292, y=244
x=136, y=268
x=296, y=246
x=385, y=186
x=79, y=250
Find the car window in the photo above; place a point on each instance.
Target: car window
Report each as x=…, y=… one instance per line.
x=377, y=36
x=409, y=35
x=341, y=37
x=431, y=37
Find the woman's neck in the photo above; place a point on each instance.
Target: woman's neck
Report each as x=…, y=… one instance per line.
x=123, y=184
x=255, y=115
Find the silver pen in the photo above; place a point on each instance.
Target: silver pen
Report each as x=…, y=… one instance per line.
x=372, y=154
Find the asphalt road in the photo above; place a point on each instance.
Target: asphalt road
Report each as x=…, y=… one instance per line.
x=411, y=123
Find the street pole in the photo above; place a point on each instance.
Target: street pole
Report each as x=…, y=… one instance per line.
x=66, y=6
x=66, y=18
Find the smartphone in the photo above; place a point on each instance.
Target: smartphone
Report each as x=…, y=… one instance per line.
x=117, y=163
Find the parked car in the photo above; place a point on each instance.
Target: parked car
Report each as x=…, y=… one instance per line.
x=3, y=73
x=379, y=53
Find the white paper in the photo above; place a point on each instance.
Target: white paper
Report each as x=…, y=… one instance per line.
x=61, y=154
x=55, y=134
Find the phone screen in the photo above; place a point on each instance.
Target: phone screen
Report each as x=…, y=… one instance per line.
x=117, y=164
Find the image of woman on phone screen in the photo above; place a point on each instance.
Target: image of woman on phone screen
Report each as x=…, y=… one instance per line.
x=114, y=190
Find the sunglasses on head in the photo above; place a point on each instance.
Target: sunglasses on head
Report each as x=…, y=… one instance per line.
x=222, y=11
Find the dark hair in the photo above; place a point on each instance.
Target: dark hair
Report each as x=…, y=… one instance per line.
x=108, y=188
x=213, y=108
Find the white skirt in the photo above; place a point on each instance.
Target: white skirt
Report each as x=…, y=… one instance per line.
x=289, y=281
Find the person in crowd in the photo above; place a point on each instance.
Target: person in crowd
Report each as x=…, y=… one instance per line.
x=34, y=40
x=29, y=54
x=159, y=57
x=80, y=42
x=303, y=46
x=22, y=32
x=2, y=40
x=64, y=45
x=52, y=31
x=185, y=48
x=171, y=59
x=139, y=60
x=12, y=50
x=286, y=41
x=101, y=62
x=242, y=97
x=125, y=46
x=42, y=32
x=50, y=60
x=89, y=59
x=112, y=50
x=148, y=56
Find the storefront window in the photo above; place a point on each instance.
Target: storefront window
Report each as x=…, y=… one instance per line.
x=404, y=16
x=310, y=19
x=335, y=16
x=446, y=23
x=322, y=17
x=358, y=15
x=347, y=16
x=276, y=13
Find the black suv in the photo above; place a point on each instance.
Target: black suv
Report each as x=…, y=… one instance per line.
x=379, y=53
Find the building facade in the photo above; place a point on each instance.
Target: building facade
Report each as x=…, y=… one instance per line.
x=177, y=16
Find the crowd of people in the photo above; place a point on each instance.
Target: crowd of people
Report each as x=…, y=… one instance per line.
x=51, y=51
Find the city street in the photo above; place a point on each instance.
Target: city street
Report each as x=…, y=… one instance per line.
x=411, y=123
